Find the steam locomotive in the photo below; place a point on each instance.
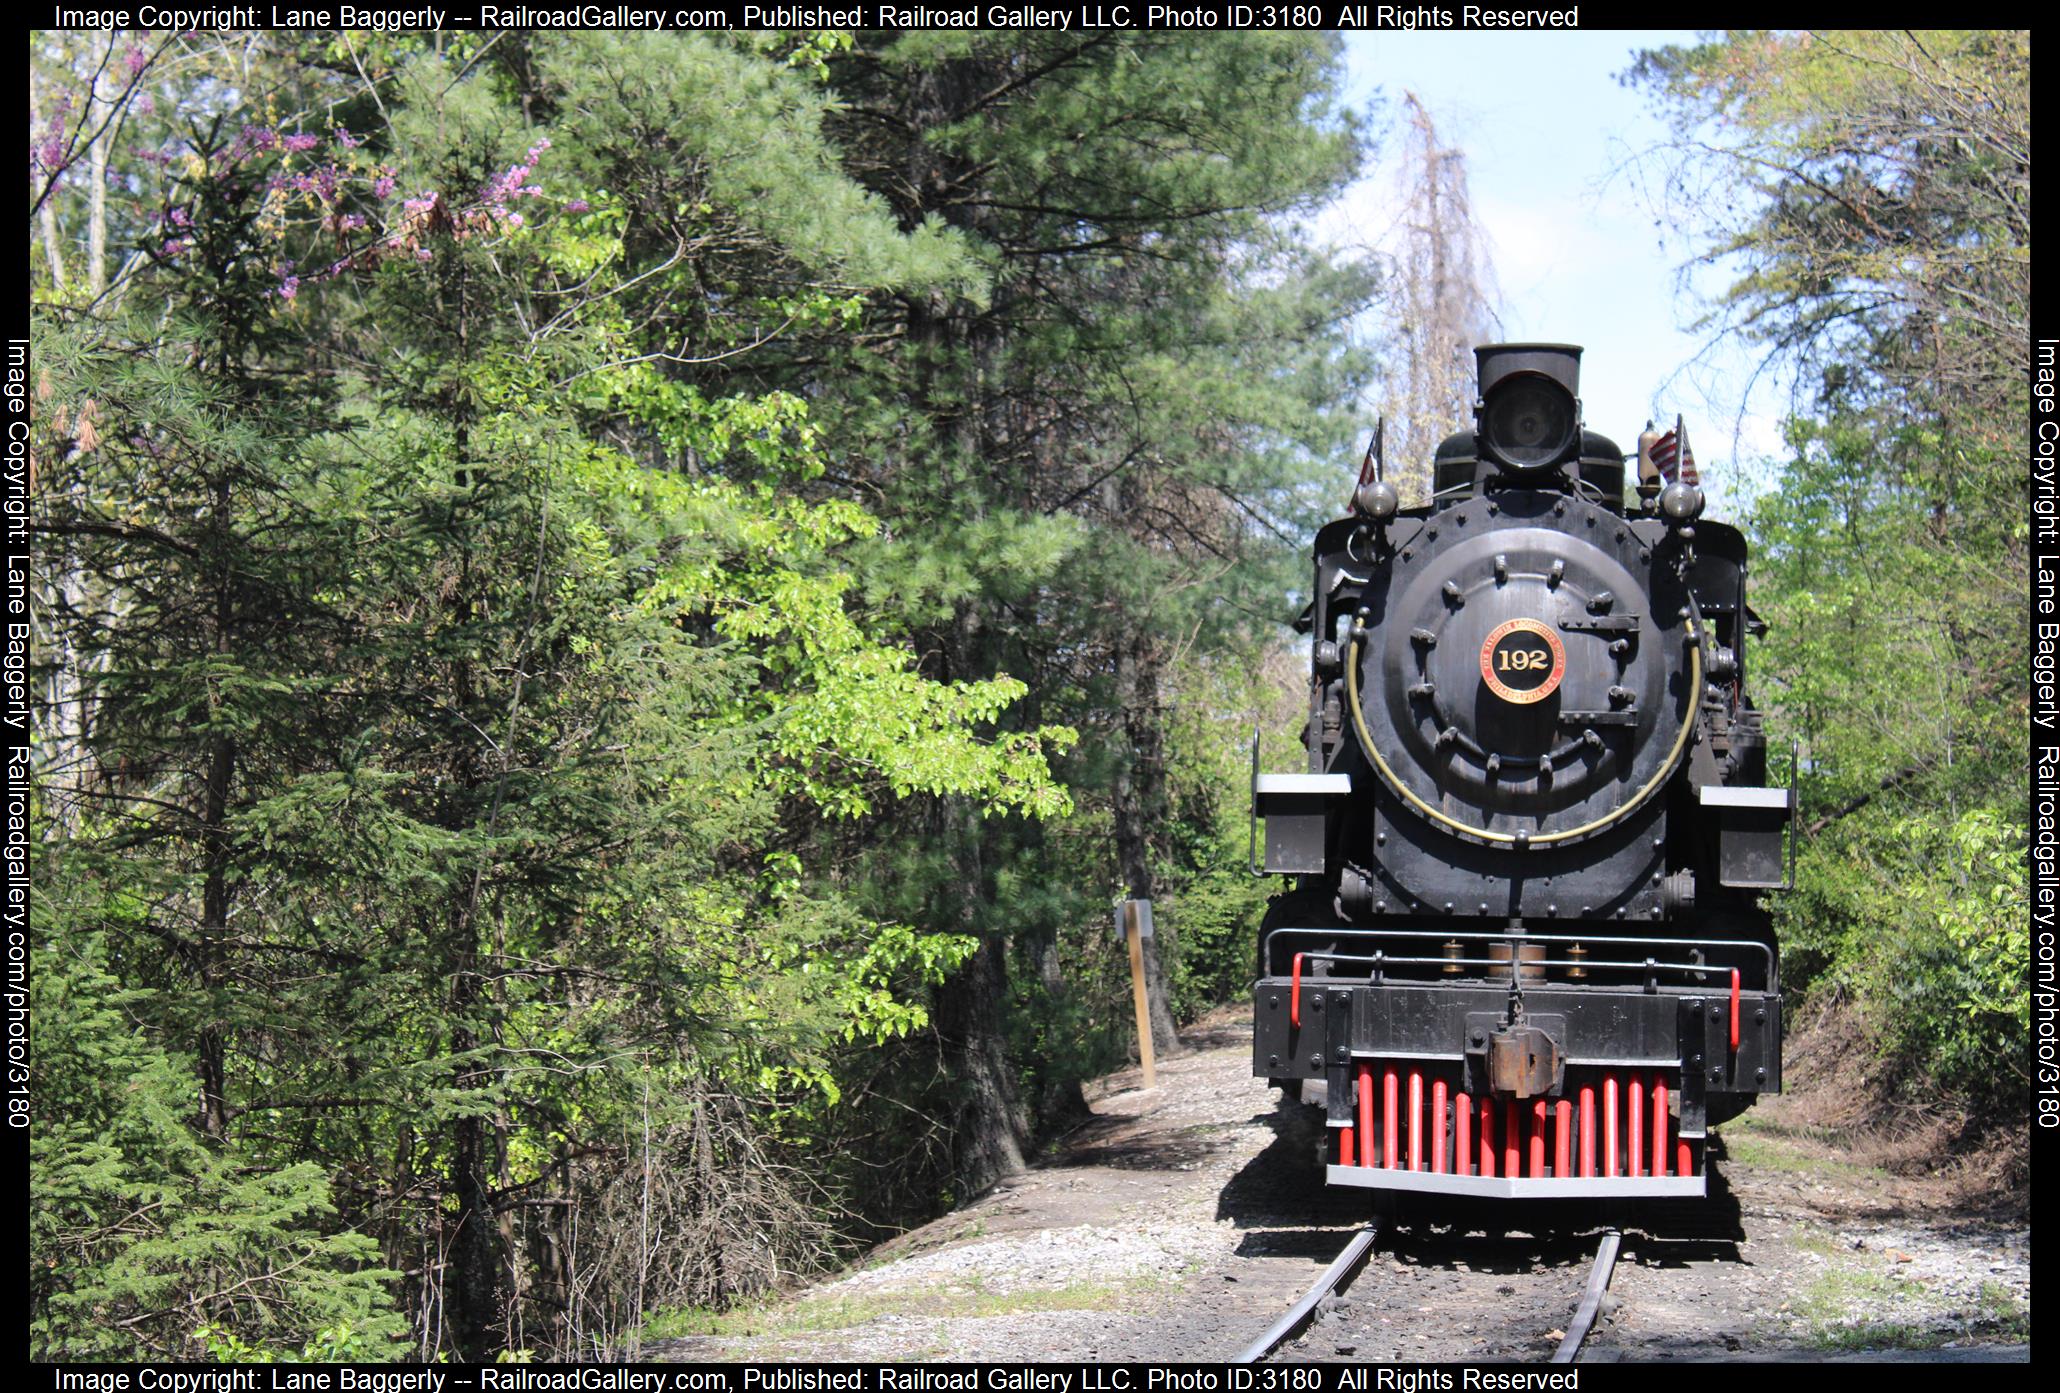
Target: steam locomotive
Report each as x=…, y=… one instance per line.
x=1524, y=952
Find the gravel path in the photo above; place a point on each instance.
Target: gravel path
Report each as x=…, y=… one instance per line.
x=1182, y=1219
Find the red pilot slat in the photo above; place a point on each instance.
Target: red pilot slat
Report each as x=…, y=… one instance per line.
x=1609, y=1125
x=1365, y=1114
x=1462, y=1135
x=1686, y=1157
x=1387, y=1114
x=1734, y=1010
x=1563, y=1141
x=1488, y=1136
x=1587, y=1133
x=1344, y=1146
x=1634, y=1125
x=1438, y=1127
x=1416, y=1119
x=1538, y=1140
x=1512, y=1141
x=1295, y=993
x=1659, y=1128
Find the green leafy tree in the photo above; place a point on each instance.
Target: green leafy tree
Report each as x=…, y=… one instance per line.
x=1865, y=197
x=1093, y=470
x=453, y=670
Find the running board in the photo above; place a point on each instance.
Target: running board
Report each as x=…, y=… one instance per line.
x=1497, y=1187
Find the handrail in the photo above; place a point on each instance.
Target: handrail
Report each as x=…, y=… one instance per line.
x=1766, y=951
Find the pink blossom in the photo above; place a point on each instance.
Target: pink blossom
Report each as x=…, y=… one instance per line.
x=299, y=142
x=423, y=254
x=577, y=205
x=289, y=287
x=346, y=139
x=50, y=154
x=173, y=247
x=137, y=60
x=382, y=187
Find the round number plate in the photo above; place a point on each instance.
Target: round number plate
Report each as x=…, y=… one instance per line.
x=1523, y=661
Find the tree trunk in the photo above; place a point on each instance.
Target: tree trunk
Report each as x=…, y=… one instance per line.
x=214, y=924
x=1059, y=1103
x=475, y=1291
x=989, y=1130
x=1138, y=800
x=215, y=844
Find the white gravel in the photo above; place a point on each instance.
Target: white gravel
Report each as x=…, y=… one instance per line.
x=1050, y=1259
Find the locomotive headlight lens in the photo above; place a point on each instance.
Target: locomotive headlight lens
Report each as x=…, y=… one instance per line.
x=1528, y=423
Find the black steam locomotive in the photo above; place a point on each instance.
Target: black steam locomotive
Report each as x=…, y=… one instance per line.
x=1525, y=954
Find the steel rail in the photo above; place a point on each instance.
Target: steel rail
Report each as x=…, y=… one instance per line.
x=1297, y=1316
x=1591, y=1299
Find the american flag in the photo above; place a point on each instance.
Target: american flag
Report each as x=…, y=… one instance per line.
x=1673, y=457
x=1370, y=467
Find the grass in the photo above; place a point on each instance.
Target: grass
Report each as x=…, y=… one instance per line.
x=1813, y=1240
x=1753, y=1141
x=1832, y=1296
x=1829, y=1303
x=2007, y=1315
x=1834, y=1305
x=845, y=1312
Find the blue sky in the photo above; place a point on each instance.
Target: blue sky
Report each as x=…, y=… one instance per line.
x=1547, y=129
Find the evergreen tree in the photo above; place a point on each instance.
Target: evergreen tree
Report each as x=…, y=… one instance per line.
x=454, y=671
x=1866, y=198
x=1097, y=466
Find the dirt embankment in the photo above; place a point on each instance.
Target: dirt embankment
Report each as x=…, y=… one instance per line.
x=1181, y=1219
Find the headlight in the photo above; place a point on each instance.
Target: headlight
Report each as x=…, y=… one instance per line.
x=1529, y=423
x=1529, y=416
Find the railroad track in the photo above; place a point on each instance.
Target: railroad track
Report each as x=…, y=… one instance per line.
x=1591, y=1297
x=1336, y=1277
x=1347, y=1264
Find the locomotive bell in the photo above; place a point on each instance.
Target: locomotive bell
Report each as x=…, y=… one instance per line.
x=1528, y=419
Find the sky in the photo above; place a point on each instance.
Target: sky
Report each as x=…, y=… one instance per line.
x=1577, y=250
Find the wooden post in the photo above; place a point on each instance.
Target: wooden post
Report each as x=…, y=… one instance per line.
x=1133, y=936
